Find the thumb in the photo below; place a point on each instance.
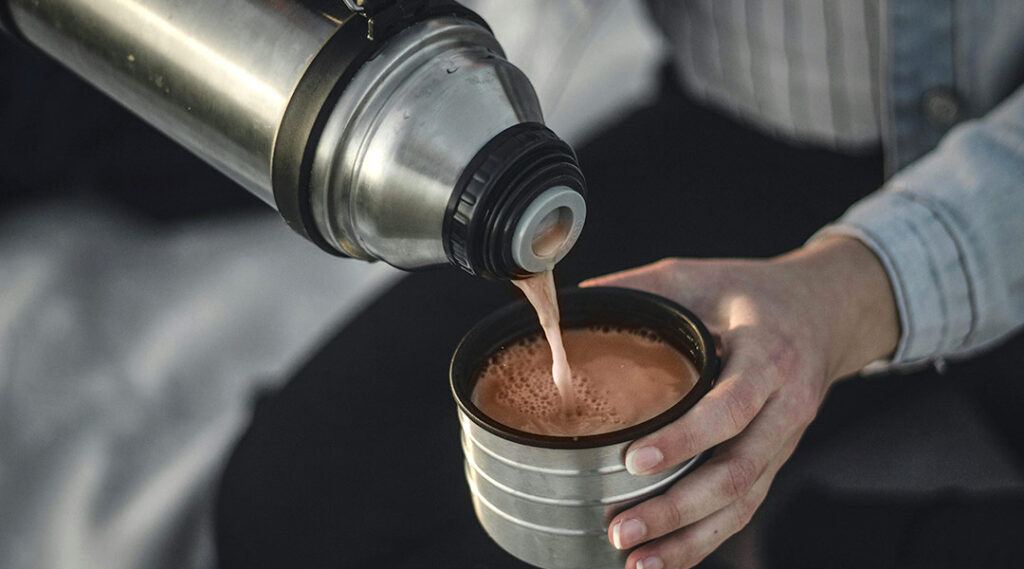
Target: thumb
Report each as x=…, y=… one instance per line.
x=614, y=279
x=642, y=278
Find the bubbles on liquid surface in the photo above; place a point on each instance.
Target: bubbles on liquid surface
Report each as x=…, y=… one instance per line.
x=516, y=386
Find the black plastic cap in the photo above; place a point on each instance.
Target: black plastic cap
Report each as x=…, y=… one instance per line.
x=497, y=186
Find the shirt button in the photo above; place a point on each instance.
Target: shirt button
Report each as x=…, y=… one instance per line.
x=941, y=107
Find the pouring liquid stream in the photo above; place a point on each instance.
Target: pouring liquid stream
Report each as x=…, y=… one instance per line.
x=540, y=291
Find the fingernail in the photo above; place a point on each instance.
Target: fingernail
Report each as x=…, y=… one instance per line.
x=628, y=533
x=651, y=562
x=641, y=460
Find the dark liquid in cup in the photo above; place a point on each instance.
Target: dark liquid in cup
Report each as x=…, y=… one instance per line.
x=620, y=376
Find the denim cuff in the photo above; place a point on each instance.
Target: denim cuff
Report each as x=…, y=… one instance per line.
x=923, y=261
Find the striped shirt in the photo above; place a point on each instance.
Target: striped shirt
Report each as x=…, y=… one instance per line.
x=805, y=70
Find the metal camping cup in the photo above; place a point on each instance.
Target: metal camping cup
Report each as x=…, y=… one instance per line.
x=548, y=499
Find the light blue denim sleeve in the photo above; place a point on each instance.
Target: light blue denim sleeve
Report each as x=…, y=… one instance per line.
x=949, y=230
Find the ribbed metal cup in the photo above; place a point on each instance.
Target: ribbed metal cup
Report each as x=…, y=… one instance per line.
x=547, y=500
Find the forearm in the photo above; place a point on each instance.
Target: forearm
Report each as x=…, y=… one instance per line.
x=949, y=232
x=847, y=288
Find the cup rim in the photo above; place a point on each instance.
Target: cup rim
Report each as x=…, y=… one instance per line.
x=581, y=307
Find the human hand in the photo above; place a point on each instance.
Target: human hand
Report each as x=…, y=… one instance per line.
x=788, y=327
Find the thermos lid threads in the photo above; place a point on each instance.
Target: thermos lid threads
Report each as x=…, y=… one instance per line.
x=490, y=209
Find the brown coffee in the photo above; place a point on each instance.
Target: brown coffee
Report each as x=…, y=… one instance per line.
x=620, y=376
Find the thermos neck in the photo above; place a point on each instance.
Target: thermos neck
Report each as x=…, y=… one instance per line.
x=518, y=207
x=435, y=153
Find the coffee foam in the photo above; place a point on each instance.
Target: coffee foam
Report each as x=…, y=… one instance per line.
x=621, y=377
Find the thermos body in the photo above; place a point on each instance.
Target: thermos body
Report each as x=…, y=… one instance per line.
x=216, y=77
x=402, y=135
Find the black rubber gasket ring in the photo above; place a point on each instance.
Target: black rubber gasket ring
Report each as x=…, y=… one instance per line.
x=304, y=119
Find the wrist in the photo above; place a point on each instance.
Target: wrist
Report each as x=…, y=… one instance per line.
x=853, y=307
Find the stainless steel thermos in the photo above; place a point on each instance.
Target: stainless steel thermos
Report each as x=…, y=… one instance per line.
x=379, y=129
